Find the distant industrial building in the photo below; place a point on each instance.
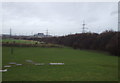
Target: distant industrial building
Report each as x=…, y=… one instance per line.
x=41, y=35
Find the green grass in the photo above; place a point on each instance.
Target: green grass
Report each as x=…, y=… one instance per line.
x=31, y=43
x=19, y=41
x=80, y=65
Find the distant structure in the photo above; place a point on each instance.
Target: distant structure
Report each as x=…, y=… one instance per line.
x=41, y=35
x=10, y=32
x=46, y=32
x=83, y=28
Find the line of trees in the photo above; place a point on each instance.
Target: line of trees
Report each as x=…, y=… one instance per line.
x=106, y=41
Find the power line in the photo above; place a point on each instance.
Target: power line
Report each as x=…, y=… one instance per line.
x=10, y=32
x=11, y=39
x=47, y=33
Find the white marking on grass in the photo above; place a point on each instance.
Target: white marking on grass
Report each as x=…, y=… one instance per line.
x=5, y=70
x=7, y=66
x=39, y=63
x=56, y=63
x=12, y=63
x=18, y=64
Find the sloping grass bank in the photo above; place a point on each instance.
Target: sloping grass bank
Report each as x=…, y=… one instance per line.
x=80, y=65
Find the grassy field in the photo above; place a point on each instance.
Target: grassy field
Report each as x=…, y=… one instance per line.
x=27, y=43
x=80, y=65
x=19, y=41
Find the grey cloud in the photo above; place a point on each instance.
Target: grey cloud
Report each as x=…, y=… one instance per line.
x=60, y=18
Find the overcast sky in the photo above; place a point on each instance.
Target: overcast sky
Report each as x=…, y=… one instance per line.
x=60, y=18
